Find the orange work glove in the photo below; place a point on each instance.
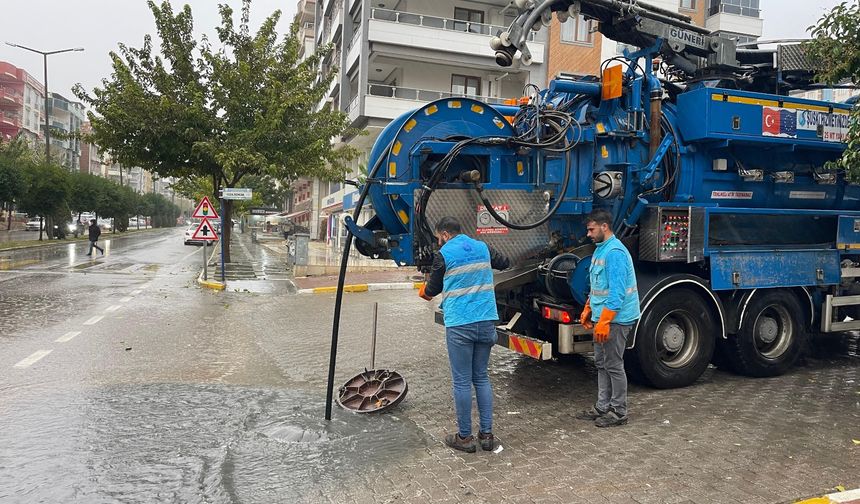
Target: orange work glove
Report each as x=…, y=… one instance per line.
x=422, y=295
x=585, y=316
x=601, y=331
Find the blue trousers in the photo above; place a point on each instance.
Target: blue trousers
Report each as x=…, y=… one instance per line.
x=469, y=347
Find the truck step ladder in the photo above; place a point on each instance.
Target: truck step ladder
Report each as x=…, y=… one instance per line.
x=831, y=302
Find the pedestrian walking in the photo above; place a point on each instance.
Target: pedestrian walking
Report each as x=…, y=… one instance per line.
x=94, y=232
x=462, y=273
x=611, y=310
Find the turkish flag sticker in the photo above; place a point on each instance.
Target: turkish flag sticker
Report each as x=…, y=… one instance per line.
x=769, y=121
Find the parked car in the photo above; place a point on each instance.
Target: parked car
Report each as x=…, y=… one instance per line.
x=105, y=224
x=35, y=224
x=189, y=233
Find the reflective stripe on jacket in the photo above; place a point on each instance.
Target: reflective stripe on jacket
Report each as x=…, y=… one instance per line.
x=467, y=288
x=613, y=282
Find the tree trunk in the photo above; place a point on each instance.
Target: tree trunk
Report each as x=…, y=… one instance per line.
x=41, y=227
x=8, y=216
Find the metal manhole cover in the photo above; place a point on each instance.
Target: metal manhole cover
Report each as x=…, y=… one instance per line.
x=372, y=391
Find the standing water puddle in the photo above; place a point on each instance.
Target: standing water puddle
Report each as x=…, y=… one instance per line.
x=185, y=443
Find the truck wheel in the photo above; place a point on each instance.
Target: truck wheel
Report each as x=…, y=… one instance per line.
x=675, y=341
x=771, y=336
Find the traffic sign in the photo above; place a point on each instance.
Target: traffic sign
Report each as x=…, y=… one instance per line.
x=204, y=210
x=236, y=193
x=205, y=232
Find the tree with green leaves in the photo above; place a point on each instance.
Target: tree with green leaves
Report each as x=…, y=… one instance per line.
x=15, y=160
x=47, y=192
x=244, y=106
x=835, y=48
x=84, y=192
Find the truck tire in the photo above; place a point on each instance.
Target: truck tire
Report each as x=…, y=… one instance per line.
x=771, y=336
x=675, y=340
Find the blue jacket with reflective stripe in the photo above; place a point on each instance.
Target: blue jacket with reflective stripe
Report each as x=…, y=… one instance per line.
x=467, y=288
x=613, y=282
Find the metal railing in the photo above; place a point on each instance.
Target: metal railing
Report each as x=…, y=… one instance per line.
x=441, y=23
x=353, y=104
x=13, y=119
x=356, y=36
x=734, y=9
x=11, y=94
x=423, y=95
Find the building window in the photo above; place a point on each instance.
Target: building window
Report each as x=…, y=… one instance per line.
x=577, y=31
x=688, y=4
x=468, y=16
x=464, y=85
x=748, y=8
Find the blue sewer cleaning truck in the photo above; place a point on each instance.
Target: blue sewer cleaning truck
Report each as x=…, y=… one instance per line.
x=745, y=241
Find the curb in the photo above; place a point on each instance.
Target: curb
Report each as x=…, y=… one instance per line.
x=841, y=497
x=210, y=284
x=364, y=287
x=68, y=241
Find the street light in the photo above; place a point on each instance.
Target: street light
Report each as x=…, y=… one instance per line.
x=45, y=55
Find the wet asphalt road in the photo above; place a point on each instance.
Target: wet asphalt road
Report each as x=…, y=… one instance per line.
x=123, y=381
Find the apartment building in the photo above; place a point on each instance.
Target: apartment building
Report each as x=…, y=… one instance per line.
x=576, y=48
x=395, y=56
x=65, y=117
x=22, y=104
x=91, y=161
x=304, y=201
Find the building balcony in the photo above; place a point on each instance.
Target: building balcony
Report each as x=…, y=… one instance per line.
x=10, y=120
x=8, y=72
x=442, y=34
x=58, y=104
x=729, y=19
x=11, y=98
x=353, y=51
x=389, y=102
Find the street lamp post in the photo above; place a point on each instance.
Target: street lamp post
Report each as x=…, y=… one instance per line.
x=45, y=55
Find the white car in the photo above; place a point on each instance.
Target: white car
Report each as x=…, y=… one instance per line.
x=189, y=233
x=35, y=224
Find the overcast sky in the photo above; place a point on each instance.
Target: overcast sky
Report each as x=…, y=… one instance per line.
x=99, y=25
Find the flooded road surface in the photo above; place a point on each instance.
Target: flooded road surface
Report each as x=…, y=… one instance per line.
x=122, y=381
x=182, y=443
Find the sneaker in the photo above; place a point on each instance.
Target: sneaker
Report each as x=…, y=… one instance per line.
x=591, y=414
x=611, y=419
x=487, y=440
x=456, y=442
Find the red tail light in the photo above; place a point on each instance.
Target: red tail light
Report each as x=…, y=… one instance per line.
x=556, y=314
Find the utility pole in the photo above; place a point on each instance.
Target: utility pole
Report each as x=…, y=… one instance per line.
x=45, y=55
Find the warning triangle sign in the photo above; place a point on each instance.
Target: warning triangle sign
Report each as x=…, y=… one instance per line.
x=204, y=210
x=205, y=231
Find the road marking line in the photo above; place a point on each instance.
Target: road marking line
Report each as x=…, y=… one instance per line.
x=113, y=308
x=136, y=292
x=189, y=255
x=29, y=361
x=67, y=337
x=125, y=299
x=94, y=320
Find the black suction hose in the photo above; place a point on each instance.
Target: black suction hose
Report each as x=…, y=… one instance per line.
x=338, y=300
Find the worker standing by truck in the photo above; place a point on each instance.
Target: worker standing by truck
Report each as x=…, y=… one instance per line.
x=462, y=272
x=612, y=310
